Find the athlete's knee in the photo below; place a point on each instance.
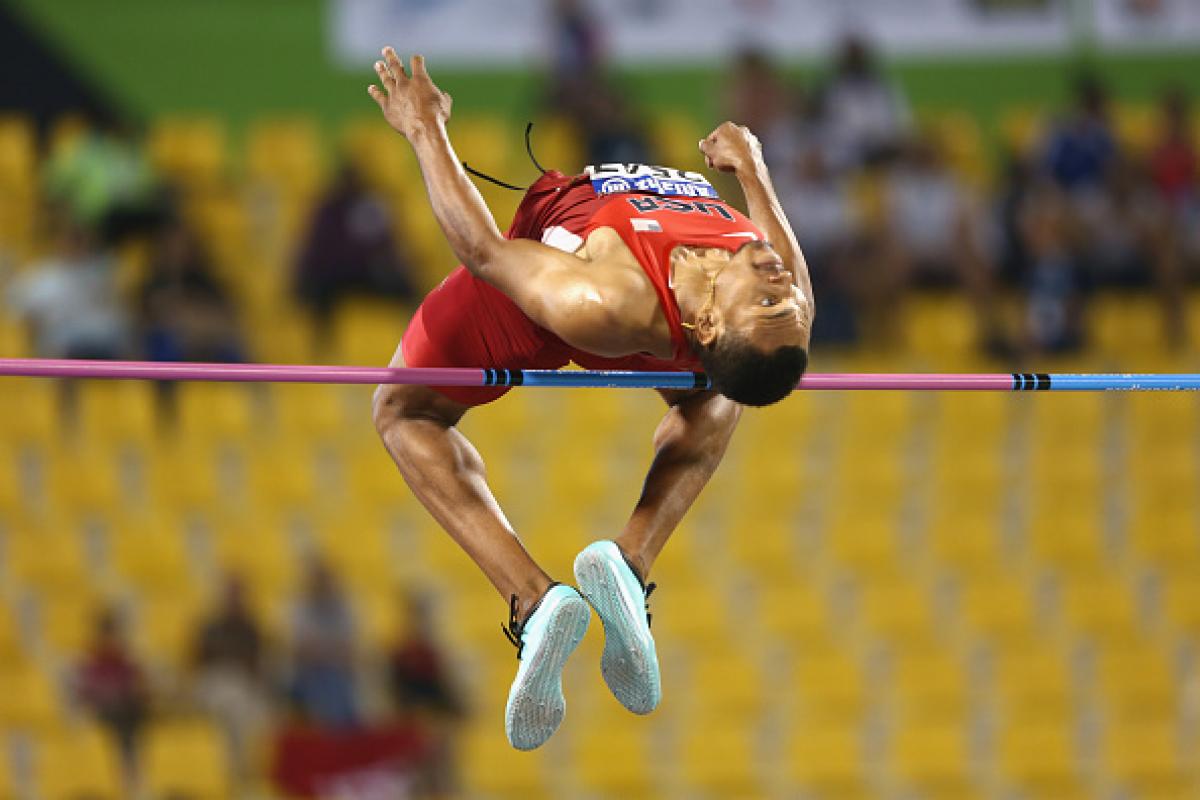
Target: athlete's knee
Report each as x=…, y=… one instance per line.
x=389, y=406
x=394, y=404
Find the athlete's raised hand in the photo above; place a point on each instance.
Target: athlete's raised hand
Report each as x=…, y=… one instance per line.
x=731, y=148
x=410, y=103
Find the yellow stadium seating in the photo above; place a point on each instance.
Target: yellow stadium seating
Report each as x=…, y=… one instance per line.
x=999, y=607
x=794, y=612
x=491, y=145
x=11, y=645
x=150, y=554
x=1034, y=682
x=930, y=685
x=492, y=768
x=218, y=412
x=8, y=782
x=18, y=152
x=614, y=765
x=30, y=700
x=50, y=561
x=185, y=757
x=721, y=759
x=1147, y=756
x=261, y=550
x=166, y=626
x=1039, y=758
x=67, y=619
x=1181, y=603
x=557, y=144
x=897, y=611
x=118, y=412
x=828, y=759
x=965, y=539
x=723, y=686
x=1022, y=129
x=1100, y=607
x=78, y=761
x=285, y=153
x=88, y=483
x=189, y=150
x=829, y=685
x=1136, y=681
x=1136, y=127
x=931, y=759
x=863, y=543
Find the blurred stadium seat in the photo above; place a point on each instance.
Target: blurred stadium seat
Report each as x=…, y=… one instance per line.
x=185, y=758
x=78, y=761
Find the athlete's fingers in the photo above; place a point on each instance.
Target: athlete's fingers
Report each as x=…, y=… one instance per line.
x=418, y=66
x=377, y=94
x=385, y=75
x=395, y=65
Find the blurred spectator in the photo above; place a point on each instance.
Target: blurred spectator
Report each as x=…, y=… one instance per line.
x=186, y=314
x=867, y=115
x=1117, y=228
x=1175, y=171
x=934, y=231
x=323, y=641
x=758, y=98
x=1055, y=282
x=1174, y=164
x=230, y=675
x=71, y=299
x=828, y=225
x=112, y=686
x=1082, y=145
x=423, y=692
x=576, y=41
x=104, y=183
x=350, y=248
x=611, y=132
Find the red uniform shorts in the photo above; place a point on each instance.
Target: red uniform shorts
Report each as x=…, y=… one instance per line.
x=466, y=322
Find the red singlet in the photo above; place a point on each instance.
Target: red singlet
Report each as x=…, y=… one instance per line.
x=466, y=322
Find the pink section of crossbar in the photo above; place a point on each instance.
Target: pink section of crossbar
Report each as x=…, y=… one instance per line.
x=909, y=381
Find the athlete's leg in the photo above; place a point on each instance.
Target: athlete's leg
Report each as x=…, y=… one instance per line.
x=446, y=473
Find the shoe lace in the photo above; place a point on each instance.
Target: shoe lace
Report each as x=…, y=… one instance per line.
x=650, y=587
x=514, y=628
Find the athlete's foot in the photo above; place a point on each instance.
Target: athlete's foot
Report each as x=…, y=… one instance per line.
x=544, y=640
x=630, y=662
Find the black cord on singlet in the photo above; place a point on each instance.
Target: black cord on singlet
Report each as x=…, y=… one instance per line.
x=529, y=148
x=504, y=184
x=490, y=179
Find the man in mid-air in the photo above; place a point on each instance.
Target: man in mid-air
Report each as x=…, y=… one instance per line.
x=623, y=267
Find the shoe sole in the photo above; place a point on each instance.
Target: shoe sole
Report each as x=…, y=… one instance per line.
x=629, y=663
x=536, y=704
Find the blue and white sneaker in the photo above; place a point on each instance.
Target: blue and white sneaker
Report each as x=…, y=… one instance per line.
x=543, y=640
x=630, y=662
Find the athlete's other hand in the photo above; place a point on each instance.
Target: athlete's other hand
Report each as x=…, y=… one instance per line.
x=410, y=104
x=731, y=148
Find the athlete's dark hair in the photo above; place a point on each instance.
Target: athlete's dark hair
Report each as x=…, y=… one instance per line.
x=751, y=376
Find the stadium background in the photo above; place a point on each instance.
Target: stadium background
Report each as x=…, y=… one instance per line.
x=878, y=596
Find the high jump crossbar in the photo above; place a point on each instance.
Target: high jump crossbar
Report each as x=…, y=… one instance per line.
x=447, y=376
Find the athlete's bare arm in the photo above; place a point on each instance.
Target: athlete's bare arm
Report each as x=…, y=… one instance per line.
x=734, y=148
x=689, y=444
x=582, y=307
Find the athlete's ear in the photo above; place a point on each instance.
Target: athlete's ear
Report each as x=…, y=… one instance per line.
x=709, y=325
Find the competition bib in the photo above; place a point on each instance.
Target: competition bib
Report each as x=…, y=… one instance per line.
x=616, y=178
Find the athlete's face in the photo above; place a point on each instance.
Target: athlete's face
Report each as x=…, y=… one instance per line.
x=757, y=297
